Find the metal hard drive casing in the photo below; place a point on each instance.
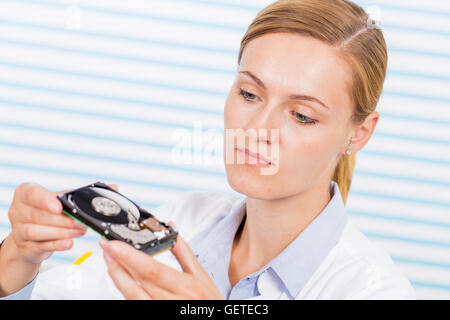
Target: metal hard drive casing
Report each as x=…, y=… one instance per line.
x=116, y=217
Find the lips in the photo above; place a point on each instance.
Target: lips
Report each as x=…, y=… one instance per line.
x=259, y=157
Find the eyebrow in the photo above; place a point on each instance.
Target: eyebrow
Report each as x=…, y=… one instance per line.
x=292, y=96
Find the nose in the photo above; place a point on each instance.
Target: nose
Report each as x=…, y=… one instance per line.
x=261, y=124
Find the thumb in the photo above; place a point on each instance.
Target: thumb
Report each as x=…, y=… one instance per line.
x=113, y=186
x=186, y=258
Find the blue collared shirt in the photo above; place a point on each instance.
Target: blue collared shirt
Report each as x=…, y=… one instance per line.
x=292, y=268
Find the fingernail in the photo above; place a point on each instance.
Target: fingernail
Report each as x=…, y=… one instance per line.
x=114, y=248
x=54, y=207
x=103, y=243
x=66, y=243
x=79, y=225
x=77, y=232
x=107, y=257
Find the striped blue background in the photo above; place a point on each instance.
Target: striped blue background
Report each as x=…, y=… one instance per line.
x=95, y=90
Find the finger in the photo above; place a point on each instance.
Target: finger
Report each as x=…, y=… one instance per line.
x=34, y=195
x=41, y=217
x=64, y=191
x=143, y=267
x=115, y=187
x=186, y=258
x=49, y=246
x=124, y=281
x=35, y=232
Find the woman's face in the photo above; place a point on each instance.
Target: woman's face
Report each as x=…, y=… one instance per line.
x=314, y=125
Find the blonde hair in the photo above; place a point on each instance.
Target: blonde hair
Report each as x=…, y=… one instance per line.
x=348, y=29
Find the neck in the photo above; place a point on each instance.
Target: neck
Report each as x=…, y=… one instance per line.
x=271, y=225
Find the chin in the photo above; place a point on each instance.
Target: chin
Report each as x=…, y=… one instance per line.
x=248, y=181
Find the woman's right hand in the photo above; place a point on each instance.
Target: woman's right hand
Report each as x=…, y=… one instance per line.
x=39, y=227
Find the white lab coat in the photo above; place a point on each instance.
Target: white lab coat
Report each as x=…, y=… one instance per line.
x=354, y=269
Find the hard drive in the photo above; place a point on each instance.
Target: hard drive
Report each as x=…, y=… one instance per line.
x=116, y=217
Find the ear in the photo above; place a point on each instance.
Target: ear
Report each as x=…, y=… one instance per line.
x=363, y=132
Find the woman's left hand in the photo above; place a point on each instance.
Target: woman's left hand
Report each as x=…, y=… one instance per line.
x=139, y=276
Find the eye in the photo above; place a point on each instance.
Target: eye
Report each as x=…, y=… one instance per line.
x=247, y=95
x=303, y=119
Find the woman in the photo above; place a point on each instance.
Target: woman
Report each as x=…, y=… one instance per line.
x=309, y=78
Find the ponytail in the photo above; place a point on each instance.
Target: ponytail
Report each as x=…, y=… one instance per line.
x=343, y=174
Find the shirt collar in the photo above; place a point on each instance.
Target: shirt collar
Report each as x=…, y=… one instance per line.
x=297, y=262
x=301, y=258
x=215, y=242
x=212, y=247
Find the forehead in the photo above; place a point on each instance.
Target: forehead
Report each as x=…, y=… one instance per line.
x=292, y=63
